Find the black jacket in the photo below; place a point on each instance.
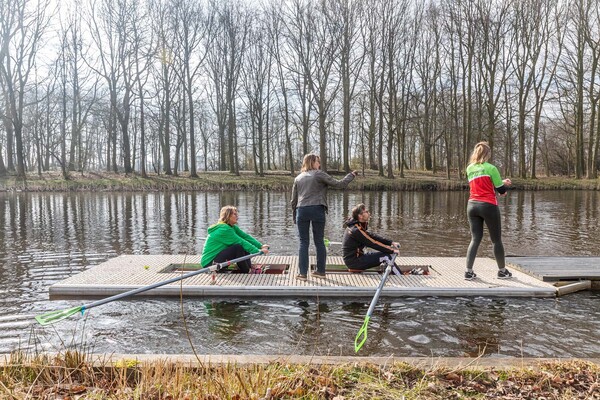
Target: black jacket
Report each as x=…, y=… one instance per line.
x=357, y=237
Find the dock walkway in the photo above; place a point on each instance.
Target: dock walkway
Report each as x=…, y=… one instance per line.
x=446, y=278
x=550, y=269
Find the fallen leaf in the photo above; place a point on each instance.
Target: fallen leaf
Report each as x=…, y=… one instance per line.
x=453, y=377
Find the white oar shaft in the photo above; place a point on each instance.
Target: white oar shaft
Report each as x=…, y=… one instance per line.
x=388, y=269
x=175, y=279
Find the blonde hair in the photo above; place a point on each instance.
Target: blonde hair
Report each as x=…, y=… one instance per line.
x=481, y=153
x=308, y=161
x=226, y=213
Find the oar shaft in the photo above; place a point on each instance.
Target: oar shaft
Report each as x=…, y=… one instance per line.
x=388, y=269
x=162, y=283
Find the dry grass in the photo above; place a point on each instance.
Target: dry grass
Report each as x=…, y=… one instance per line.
x=272, y=181
x=72, y=376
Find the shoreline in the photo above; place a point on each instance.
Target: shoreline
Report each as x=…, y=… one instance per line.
x=115, y=360
x=194, y=361
x=271, y=181
x=73, y=374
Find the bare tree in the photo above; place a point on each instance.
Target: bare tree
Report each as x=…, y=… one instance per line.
x=352, y=58
x=82, y=86
x=552, y=21
x=193, y=29
x=225, y=62
x=299, y=36
x=275, y=30
x=529, y=24
x=144, y=53
x=428, y=68
x=372, y=36
x=255, y=77
x=22, y=26
x=591, y=35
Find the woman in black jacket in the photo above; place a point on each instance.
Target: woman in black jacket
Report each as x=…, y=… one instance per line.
x=357, y=237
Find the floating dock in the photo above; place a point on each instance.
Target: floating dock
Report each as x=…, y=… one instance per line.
x=552, y=269
x=445, y=278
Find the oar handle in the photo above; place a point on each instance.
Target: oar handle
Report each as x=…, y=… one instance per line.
x=133, y=292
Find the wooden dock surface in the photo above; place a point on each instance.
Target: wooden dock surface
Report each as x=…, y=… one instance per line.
x=446, y=278
x=551, y=269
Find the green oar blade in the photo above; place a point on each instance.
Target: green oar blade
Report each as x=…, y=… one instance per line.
x=361, y=336
x=54, y=316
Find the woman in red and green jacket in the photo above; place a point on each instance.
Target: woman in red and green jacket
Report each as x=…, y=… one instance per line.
x=485, y=183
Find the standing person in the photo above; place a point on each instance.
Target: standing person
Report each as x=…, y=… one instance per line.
x=484, y=183
x=309, y=203
x=226, y=241
x=357, y=237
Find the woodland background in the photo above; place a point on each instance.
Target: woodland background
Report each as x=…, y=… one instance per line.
x=180, y=86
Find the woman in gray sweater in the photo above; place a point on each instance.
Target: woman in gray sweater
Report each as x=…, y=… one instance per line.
x=309, y=203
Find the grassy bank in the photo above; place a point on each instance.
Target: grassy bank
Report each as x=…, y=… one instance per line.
x=72, y=376
x=272, y=181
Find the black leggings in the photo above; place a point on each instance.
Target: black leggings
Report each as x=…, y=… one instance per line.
x=232, y=252
x=366, y=261
x=478, y=213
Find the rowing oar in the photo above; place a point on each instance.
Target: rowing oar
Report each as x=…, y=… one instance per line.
x=361, y=336
x=54, y=316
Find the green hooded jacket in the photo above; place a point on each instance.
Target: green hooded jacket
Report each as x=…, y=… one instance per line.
x=221, y=236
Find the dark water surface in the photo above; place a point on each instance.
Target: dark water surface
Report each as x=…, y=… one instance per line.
x=45, y=238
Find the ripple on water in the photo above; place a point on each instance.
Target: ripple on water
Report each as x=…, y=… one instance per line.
x=422, y=339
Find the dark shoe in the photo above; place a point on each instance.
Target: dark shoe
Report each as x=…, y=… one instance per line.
x=470, y=275
x=506, y=274
x=320, y=275
x=301, y=277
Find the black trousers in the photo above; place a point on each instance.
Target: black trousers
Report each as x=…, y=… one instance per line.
x=232, y=252
x=481, y=213
x=366, y=261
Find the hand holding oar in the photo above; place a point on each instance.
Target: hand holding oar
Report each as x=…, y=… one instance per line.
x=54, y=316
x=361, y=336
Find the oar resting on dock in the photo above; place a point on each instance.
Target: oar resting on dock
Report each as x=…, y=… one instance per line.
x=55, y=316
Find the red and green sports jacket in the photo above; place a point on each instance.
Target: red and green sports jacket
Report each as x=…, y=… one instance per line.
x=483, y=180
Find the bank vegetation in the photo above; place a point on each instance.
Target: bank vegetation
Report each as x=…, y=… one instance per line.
x=72, y=375
x=272, y=181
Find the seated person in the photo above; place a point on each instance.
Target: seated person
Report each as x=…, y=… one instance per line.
x=357, y=237
x=226, y=241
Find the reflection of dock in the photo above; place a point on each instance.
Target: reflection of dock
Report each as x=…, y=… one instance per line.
x=128, y=272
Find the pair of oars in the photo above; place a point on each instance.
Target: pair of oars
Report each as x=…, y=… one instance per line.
x=55, y=316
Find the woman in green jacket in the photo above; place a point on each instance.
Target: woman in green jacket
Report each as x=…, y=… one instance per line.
x=226, y=241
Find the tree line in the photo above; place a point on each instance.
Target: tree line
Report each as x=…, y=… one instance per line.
x=173, y=86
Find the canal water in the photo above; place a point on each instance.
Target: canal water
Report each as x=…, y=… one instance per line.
x=45, y=238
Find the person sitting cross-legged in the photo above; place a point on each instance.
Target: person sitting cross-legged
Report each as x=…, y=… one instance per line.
x=357, y=237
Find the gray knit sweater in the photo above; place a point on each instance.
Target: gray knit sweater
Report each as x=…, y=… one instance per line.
x=310, y=188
